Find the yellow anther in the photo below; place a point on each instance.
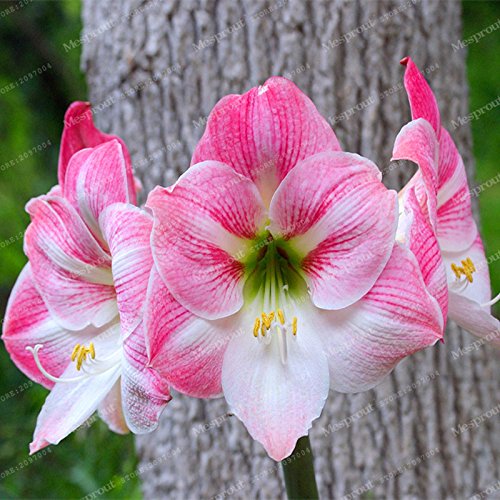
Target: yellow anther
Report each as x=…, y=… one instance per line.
x=75, y=352
x=294, y=325
x=266, y=320
x=256, y=327
x=456, y=270
x=82, y=355
x=263, y=330
x=467, y=269
x=281, y=316
x=271, y=318
x=80, y=352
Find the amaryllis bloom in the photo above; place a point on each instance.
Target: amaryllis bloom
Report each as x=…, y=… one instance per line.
x=74, y=319
x=442, y=191
x=277, y=276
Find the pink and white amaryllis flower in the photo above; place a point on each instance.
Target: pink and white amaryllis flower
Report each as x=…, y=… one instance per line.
x=74, y=319
x=443, y=193
x=276, y=275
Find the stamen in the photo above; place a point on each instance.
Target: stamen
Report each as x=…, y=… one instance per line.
x=256, y=327
x=266, y=321
x=75, y=352
x=466, y=269
x=80, y=355
x=281, y=317
x=282, y=346
x=456, y=270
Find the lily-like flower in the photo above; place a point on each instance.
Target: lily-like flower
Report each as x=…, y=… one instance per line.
x=277, y=276
x=443, y=193
x=74, y=319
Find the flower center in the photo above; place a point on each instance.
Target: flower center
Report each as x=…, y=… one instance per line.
x=464, y=277
x=275, y=285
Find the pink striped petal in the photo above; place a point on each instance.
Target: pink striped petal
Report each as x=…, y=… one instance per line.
x=417, y=142
x=71, y=271
x=28, y=323
x=456, y=227
x=55, y=191
x=475, y=319
x=479, y=290
x=422, y=100
x=127, y=230
x=110, y=410
x=144, y=392
x=396, y=318
x=415, y=232
x=341, y=219
x=95, y=180
x=75, y=167
x=80, y=133
x=70, y=404
x=265, y=132
x=201, y=225
x=277, y=402
x=187, y=350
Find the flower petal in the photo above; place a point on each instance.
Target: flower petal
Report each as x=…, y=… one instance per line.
x=277, y=402
x=28, y=323
x=80, y=133
x=417, y=142
x=73, y=171
x=97, y=182
x=263, y=133
x=69, y=404
x=396, y=318
x=144, y=392
x=341, y=219
x=127, y=231
x=475, y=319
x=415, y=232
x=456, y=227
x=422, y=100
x=200, y=226
x=110, y=410
x=187, y=350
x=71, y=271
x=480, y=289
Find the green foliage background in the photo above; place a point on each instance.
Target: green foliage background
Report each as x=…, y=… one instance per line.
x=31, y=114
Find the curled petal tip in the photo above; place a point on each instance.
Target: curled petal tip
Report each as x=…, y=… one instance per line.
x=404, y=61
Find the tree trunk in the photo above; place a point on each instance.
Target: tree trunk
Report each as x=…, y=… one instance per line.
x=152, y=82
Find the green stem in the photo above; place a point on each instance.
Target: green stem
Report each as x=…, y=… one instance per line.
x=298, y=470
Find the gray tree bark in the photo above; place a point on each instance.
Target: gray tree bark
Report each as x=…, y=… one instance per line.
x=150, y=84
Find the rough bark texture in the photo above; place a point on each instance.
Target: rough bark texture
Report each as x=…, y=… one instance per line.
x=150, y=85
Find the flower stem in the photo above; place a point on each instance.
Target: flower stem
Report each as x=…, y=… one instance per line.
x=298, y=470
